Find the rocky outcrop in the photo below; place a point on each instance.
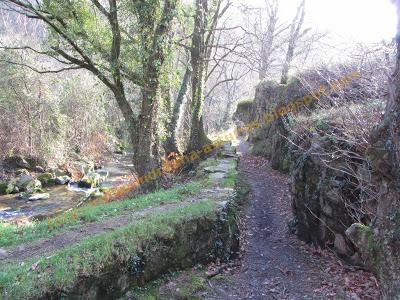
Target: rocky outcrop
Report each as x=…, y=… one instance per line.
x=271, y=142
x=243, y=112
x=321, y=196
x=271, y=139
x=379, y=241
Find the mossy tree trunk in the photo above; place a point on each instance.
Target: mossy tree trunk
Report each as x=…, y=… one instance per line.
x=154, y=46
x=202, y=38
x=170, y=144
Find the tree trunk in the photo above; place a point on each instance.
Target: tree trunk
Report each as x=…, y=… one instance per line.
x=198, y=137
x=286, y=66
x=198, y=61
x=127, y=113
x=393, y=108
x=227, y=113
x=295, y=34
x=147, y=158
x=170, y=144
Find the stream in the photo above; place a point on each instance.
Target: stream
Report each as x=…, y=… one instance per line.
x=64, y=197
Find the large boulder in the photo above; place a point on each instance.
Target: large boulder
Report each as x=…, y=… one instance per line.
x=34, y=186
x=23, y=180
x=29, y=184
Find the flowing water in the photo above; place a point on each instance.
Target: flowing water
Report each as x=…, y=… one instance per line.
x=65, y=197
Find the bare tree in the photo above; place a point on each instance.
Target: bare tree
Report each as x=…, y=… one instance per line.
x=295, y=34
x=263, y=33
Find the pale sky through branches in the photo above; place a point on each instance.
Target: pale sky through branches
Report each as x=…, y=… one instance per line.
x=346, y=20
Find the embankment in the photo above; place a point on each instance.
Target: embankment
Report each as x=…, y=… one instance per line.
x=107, y=250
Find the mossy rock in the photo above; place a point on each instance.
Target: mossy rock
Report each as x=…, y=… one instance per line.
x=33, y=186
x=29, y=184
x=96, y=194
x=6, y=187
x=24, y=180
x=46, y=179
x=91, y=180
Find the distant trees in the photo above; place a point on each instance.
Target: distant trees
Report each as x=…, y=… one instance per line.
x=273, y=44
x=264, y=34
x=201, y=44
x=52, y=116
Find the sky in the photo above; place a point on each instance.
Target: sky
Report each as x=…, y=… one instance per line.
x=365, y=21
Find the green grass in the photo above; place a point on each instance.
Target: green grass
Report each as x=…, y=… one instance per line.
x=93, y=255
x=13, y=235
x=231, y=177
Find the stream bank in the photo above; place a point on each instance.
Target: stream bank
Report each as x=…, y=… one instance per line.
x=54, y=199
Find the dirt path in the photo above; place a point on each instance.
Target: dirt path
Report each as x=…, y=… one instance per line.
x=275, y=265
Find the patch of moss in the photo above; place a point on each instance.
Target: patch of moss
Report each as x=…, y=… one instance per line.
x=286, y=164
x=6, y=187
x=47, y=179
